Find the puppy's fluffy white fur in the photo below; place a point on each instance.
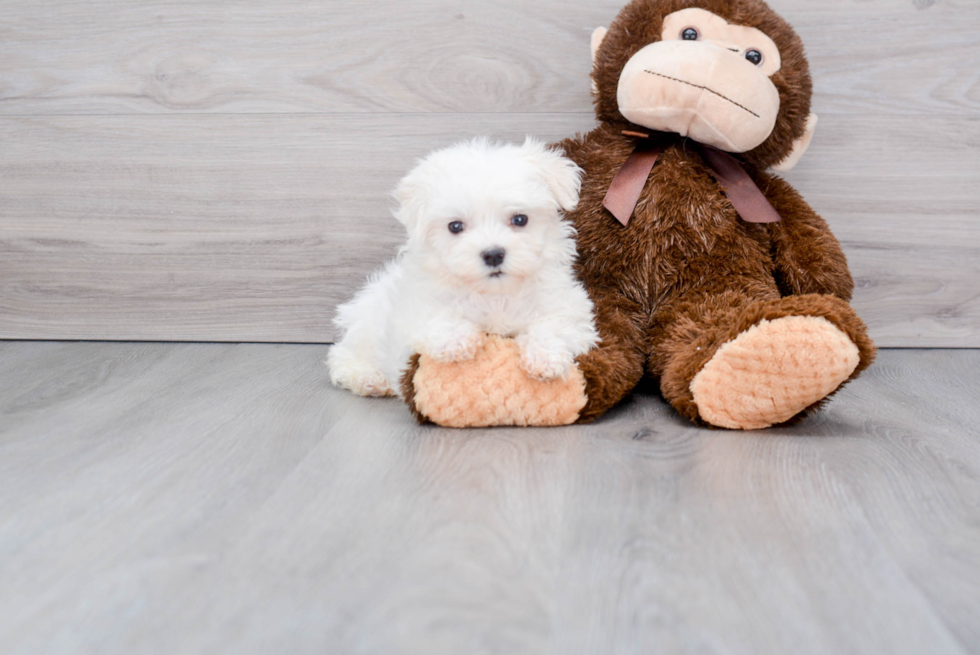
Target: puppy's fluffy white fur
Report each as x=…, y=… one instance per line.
x=445, y=290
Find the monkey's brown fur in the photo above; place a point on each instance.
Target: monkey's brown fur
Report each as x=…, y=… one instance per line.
x=639, y=24
x=687, y=274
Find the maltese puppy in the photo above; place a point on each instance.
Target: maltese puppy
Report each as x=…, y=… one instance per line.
x=488, y=251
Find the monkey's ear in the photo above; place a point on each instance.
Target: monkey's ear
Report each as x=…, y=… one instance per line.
x=561, y=175
x=799, y=146
x=597, y=36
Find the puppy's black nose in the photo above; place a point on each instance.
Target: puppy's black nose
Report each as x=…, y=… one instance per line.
x=493, y=257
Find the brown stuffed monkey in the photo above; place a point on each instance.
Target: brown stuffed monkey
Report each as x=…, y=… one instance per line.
x=708, y=273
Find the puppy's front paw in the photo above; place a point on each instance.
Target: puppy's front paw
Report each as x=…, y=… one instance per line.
x=545, y=360
x=457, y=346
x=362, y=380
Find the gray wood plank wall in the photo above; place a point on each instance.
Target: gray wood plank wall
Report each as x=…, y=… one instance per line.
x=216, y=171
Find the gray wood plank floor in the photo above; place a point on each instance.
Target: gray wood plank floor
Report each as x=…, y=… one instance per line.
x=205, y=498
x=175, y=170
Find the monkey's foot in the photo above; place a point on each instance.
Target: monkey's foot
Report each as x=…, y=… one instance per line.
x=491, y=389
x=773, y=371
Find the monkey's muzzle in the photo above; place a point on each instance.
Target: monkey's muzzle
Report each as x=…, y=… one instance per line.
x=699, y=90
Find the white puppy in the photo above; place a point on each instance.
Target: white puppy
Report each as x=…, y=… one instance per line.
x=487, y=252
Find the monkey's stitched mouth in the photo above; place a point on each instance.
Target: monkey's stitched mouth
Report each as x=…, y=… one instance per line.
x=698, y=86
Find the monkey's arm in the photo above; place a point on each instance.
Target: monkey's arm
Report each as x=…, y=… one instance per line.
x=615, y=365
x=807, y=256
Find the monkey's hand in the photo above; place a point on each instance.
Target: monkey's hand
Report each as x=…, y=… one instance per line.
x=490, y=389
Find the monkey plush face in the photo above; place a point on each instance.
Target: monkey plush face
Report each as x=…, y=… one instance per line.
x=727, y=73
x=705, y=79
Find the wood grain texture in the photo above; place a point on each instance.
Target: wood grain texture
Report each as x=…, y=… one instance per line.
x=223, y=498
x=245, y=228
x=121, y=56
x=252, y=228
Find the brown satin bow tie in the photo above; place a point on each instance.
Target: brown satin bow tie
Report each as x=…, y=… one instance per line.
x=624, y=191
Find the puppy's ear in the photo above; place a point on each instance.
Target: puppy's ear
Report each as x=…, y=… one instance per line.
x=410, y=199
x=562, y=176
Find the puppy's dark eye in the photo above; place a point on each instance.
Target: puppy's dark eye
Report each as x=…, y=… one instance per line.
x=754, y=56
x=456, y=227
x=690, y=34
x=520, y=220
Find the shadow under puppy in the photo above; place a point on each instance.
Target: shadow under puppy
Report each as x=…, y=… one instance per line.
x=488, y=252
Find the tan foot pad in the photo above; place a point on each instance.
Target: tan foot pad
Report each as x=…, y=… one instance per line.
x=491, y=389
x=773, y=371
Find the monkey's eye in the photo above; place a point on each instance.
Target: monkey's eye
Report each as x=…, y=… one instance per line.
x=754, y=56
x=456, y=227
x=690, y=34
x=520, y=220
